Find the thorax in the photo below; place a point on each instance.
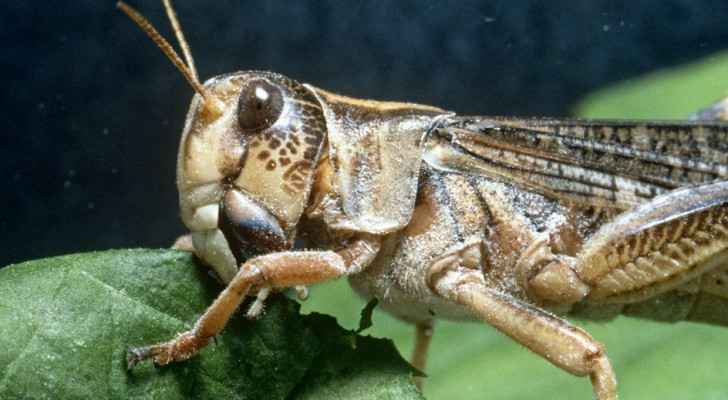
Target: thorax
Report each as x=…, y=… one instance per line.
x=493, y=220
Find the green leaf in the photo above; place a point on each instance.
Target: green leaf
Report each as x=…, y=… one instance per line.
x=66, y=322
x=668, y=94
x=360, y=370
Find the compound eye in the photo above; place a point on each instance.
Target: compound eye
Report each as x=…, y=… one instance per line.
x=259, y=106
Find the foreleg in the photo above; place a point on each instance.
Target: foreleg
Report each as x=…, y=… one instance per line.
x=277, y=270
x=184, y=243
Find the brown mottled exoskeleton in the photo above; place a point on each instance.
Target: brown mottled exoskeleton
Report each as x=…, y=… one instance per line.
x=510, y=221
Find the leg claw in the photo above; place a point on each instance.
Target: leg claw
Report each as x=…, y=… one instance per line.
x=182, y=348
x=135, y=355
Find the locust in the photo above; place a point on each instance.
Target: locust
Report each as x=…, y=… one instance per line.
x=518, y=223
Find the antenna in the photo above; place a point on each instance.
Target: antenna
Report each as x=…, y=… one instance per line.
x=189, y=73
x=172, y=15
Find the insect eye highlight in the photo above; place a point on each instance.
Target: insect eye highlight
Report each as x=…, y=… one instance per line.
x=259, y=106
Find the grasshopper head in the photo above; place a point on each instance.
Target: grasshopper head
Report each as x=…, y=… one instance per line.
x=247, y=156
x=247, y=169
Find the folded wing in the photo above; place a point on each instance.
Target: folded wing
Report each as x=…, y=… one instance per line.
x=615, y=164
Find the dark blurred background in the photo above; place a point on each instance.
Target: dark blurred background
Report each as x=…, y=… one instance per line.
x=92, y=111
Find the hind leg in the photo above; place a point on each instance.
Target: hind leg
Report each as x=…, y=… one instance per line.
x=704, y=299
x=711, y=304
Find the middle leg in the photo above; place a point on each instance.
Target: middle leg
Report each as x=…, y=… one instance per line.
x=561, y=343
x=423, y=337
